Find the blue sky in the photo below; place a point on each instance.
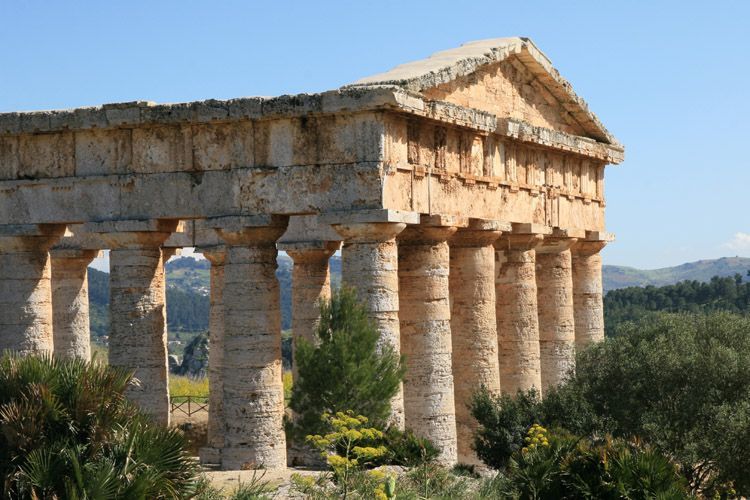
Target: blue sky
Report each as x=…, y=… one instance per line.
x=669, y=79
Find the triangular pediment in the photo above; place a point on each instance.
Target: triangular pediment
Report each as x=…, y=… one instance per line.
x=508, y=77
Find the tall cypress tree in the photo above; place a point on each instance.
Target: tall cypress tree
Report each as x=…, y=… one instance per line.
x=346, y=370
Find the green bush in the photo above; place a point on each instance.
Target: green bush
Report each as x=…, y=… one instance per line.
x=68, y=432
x=678, y=382
x=406, y=449
x=347, y=371
x=503, y=422
x=563, y=466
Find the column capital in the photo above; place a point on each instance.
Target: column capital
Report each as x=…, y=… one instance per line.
x=61, y=253
x=249, y=230
x=585, y=247
x=518, y=242
x=215, y=254
x=124, y=234
x=369, y=232
x=299, y=249
x=425, y=235
x=560, y=240
x=29, y=237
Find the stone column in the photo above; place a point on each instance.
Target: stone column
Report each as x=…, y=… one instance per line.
x=425, y=324
x=211, y=453
x=70, y=302
x=587, y=292
x=137, y=309
x=369, y=265
x=473, y=323
x=252, y=387
x=516, y=310
x=311, y=284
x=25, y=292
x=554, y=281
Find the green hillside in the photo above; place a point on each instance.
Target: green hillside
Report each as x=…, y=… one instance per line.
x=703, y=270
x=188, y=288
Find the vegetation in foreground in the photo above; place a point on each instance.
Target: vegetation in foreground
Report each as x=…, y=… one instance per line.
x=346, y=370
x=678, y=384
x=69, y=432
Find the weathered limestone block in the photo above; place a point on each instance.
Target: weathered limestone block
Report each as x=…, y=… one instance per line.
x=425, y=324
x=70, y=302
x=137, y=310
x=554, y=281
x=516, y=309
x=252, y=387
x=211, y=453
x=25, y=290
x=587, y=292
x=369, y=265
x=311, y=285
x=473, y=326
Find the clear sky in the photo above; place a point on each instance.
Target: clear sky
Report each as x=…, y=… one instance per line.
x=671, y=80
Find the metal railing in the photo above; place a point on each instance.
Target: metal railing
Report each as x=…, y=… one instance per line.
x=189, y=405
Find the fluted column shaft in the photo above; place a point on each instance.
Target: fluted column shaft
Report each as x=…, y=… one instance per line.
x=554, y=280
x=138, y=324
x=211, y=453
x=425, y=315
x=473, y=328
x=311, y=285
x=253, y=392
x=70, y=302
x=370, y=266
x=25, y=291
x=587, y=292
x=516, y=309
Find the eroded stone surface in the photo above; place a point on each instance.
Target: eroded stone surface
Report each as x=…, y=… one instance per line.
x=25, y=289
x=516, y=310
x=70, y=303
x=253, y=391
x=211, y=453
x=369, y=265
x=554, y=282
x=587, y=293
x=473, y=327
x=425, y=324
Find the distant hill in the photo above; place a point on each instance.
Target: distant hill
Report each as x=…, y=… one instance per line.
x=615, y=277
x=188, y=288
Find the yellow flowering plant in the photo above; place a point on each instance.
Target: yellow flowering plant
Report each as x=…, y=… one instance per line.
x=348, y=446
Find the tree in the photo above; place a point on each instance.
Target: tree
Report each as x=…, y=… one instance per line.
x=349, y=369
x=679, y=382
x=68, y=432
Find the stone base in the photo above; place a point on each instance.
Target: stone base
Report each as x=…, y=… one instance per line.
x=246, y=458
x=209, y=456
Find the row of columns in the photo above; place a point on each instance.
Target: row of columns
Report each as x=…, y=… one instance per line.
x=468, y=304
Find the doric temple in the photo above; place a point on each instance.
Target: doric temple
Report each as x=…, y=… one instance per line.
x=464, y=191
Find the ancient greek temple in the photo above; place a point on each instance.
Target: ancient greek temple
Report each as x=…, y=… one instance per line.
x=464, y=191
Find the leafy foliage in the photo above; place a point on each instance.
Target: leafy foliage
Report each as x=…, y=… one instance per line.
x=68, y=432
x=347, y=371
x=346, y=447
x=678, y=382
x=569, y=467
x=719, y=294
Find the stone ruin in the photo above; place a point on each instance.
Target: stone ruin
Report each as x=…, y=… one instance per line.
x=465, y=191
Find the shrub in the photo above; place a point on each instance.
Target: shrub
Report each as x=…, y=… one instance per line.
x=678, y=382
x=560, y=465
x=347, y=371
x=406, y=449
x=683, y=385
x=68, y=432
x=503, y=422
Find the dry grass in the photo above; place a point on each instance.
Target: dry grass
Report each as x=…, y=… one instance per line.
x=180, y=386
